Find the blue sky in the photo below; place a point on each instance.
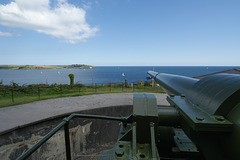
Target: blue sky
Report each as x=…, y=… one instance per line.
x=120, y=32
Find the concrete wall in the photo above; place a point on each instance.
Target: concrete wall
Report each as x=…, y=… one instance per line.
x=88, y=137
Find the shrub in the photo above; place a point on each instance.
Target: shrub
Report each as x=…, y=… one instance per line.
x=56, y=87
x=71, y=76
x=147, y=83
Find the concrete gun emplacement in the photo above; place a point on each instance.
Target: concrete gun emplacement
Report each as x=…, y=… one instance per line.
x=202, y=122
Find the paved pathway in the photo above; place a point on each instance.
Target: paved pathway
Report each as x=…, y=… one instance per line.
x=21, y=115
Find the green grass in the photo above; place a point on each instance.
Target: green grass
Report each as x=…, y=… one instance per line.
x=28, y=95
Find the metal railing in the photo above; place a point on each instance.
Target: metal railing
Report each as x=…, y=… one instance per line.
x=65, y=124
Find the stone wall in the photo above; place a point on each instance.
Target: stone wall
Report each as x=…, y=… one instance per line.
x=87, y=136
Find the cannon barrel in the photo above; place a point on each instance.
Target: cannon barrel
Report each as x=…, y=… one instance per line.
x=173, y=83
x=217, y=94
x=209, y=109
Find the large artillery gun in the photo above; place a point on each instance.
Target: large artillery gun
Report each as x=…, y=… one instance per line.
x=203, y=121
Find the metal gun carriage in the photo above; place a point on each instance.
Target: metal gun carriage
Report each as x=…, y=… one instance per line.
x=202, y=122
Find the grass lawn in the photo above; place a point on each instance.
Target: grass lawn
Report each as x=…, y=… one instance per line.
x=9, y=97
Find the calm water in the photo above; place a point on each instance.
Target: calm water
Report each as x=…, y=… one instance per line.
x=99, y=74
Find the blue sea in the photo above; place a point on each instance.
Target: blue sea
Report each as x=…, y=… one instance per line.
x=101, y=75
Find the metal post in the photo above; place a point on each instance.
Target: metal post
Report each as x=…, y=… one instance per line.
x=122, y=87
x=153, y=144
x=67, y=141
x=12, y=95
x=38, y=92
x=134, y=140
x=61, y=89
x=4, y=92
x=111, y=86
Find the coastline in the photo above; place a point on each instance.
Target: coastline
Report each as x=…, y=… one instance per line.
x=28, y=67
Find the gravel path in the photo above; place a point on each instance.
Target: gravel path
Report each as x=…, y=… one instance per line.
x=21, y=115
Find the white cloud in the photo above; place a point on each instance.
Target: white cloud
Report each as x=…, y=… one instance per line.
x=5, y=34
x=64, y=21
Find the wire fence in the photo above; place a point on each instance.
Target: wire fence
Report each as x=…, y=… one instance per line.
x=10, y=95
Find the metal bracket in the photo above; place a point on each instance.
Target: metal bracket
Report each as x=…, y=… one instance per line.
x=198, y=119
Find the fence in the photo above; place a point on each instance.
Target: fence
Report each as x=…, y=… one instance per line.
x=11, y=95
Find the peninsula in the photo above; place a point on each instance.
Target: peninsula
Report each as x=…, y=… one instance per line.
x=27, y=67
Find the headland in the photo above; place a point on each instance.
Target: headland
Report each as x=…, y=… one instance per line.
x=27, y=67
